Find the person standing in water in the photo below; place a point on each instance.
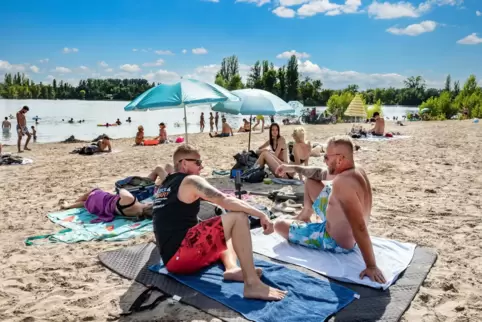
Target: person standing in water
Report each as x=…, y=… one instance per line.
x=6, y=126
x=34, y=133
x=201, y=122
x=22, y=129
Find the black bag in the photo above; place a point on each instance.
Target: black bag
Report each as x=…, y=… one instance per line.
x=254, y=175
x=140, y=187
x=244, y=160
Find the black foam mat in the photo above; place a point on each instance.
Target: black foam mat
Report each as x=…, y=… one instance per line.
x=374, y=305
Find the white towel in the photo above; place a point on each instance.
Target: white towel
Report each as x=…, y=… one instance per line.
x=392, y=258
x=383, y=138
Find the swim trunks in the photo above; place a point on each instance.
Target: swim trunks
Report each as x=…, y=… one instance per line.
x=260, y=117
x=24, y=129
x=314, y=235
x=102, y=204
x=201, y=247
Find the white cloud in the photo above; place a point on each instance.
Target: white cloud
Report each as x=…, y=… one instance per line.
x=330, y=9
x=471, y=39
x=134, y=49
x=67, y=50
x=50, y=77
x=336, y=79
x=162, y=76
x=290, y=3
x=478, y=13
x=109, y=70
x=387, y=10
x=184, y=51
x=130, y=68
x=43, y=61
x=288, y=54
x=215, y=1
x=414, y=29
x=164, y=52
x=84, y=68
x=62, y=70
x=5, y=65
x=103, y=64
x=259, y=3
x=158, y=62
x=95, y=75
x=34, y=69
x=283, y=12
x=208, y=73
x=199, y=51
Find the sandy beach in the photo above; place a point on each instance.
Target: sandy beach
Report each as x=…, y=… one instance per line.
x=427, y=190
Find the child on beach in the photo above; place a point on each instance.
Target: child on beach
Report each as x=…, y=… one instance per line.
x=140, y=135
x=34, y=133
x=162, y=133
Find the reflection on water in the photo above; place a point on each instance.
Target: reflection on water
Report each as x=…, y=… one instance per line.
x=51, y=128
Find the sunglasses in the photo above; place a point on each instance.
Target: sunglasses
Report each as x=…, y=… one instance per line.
x=197, y=161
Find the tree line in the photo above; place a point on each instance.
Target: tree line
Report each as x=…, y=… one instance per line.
x=285, y=82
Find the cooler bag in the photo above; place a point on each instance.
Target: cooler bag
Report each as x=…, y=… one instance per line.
x=140, y=187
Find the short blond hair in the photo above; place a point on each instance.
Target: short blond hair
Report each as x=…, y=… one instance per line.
x=299, y=133
x=341, y=140
x=183, y=151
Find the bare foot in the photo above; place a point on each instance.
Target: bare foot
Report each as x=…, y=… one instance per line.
x=27, y=149
x=20, y=151
x=236, y=274
x=262, y=291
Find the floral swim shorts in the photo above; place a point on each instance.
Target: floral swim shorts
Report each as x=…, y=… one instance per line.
x=314, y=235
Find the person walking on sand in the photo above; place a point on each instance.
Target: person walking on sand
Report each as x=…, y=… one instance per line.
x=187, y=246
x=22, y=129
x=216, y=120
x=201, y=122
x=6, y=126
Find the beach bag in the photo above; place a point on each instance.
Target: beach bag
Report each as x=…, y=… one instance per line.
x=254, y=175
x=140, y=187
x=244, y=160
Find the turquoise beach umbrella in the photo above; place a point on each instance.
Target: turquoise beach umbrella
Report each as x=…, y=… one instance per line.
x=254, y=102
x=187, y=92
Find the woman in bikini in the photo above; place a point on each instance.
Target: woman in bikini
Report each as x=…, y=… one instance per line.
x=277, y=155
x=301, y=150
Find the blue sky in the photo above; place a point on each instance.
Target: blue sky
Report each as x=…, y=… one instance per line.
x=366, y=42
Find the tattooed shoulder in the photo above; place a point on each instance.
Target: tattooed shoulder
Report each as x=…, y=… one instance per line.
x=204, y=188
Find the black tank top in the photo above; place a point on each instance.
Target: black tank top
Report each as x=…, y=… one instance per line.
x=172, y=217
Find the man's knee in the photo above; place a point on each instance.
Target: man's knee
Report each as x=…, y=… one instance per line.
x=282, y=227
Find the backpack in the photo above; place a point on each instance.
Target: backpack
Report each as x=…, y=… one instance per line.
x=244, y=160
x=254, y=175
x=140, y=187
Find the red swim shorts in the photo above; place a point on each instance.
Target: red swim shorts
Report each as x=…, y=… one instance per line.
x=201, y=247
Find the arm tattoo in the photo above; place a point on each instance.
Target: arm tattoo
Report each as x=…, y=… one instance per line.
x=311, y=172
x=206, y=189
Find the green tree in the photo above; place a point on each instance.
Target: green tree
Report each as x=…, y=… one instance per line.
x=255, y=77
x=292, y=79
x=448, y=84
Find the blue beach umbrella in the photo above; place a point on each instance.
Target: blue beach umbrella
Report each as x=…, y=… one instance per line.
x=187, y=92
x=254, y=102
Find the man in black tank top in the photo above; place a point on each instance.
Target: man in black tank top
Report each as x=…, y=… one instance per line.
x=187, y=246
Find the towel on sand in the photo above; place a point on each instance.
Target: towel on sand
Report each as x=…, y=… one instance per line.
x=309, y=299
x=392, y=258
x=383, y=138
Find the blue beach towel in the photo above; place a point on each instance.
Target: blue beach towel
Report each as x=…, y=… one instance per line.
x=309, y=299
x=79, y=229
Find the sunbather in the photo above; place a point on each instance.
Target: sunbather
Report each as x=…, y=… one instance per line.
x=104, y=144
x=344, y=206
x=187, y=246
x=106, y=205
x=301, y=150
x=246, y=127
x=379, y=128
x=276, y=142
x=227, y=130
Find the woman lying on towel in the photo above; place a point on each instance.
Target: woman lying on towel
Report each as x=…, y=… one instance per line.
x=106, y=206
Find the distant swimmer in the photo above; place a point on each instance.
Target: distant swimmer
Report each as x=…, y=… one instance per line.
x=6, y=126
x=118, y=122
x=71, y=120
x=129, y=120
x=34, y=133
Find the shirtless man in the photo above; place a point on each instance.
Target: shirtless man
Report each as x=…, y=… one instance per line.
x=187, y=246
x=22, y=129
x=6, y=126
x=379, y=128
x=104, y=144
x=216, y=120
x=344, y=206
x=227, y=130
x=162, y=133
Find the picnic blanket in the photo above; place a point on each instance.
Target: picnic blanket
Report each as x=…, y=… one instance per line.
x=392, y=258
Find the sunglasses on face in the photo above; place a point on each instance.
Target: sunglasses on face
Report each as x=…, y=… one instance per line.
x=327, y=156
x=197, y=161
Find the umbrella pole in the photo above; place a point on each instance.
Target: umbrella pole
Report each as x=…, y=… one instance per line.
x=185, y=123
x=250, y=130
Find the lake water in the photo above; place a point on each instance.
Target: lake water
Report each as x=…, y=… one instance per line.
x=51, y=128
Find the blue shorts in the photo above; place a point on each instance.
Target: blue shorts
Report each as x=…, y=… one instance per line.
x=314, y=235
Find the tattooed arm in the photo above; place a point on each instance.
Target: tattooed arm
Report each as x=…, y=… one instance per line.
x=199, y=188
x=314, y=173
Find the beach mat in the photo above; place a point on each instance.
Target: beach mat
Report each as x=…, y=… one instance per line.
x=374, y=305
x=307, y=296
x=383, y=138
